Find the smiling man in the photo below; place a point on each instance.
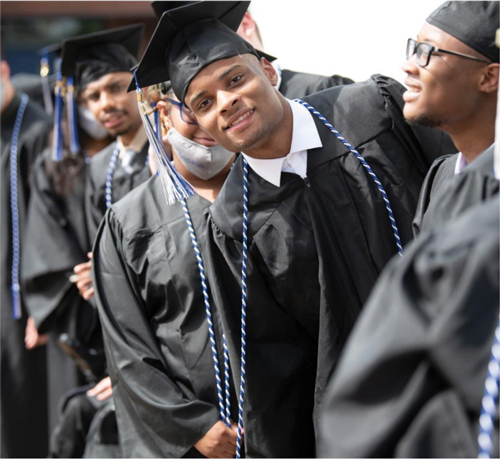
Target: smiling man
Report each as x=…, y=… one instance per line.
x=319, y=232
x=452, y=75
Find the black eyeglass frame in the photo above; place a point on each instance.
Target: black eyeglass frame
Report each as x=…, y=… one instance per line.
x=433, y=50
x=180, y=106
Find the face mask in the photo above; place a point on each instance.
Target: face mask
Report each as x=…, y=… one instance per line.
x=90, y=125
x=204, y=162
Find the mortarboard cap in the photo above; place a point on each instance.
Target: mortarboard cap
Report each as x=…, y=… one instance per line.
x=188, y=39
x=90, y=57
x=161, y=7
x=473, y=23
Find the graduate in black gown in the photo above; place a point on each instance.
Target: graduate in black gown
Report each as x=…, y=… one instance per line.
x=24, y=386
x=290, y=83
x=58, y=230
x=149, y=294
x=123, y=165
x=412, y=376
x=318, y=237
x=458, y=94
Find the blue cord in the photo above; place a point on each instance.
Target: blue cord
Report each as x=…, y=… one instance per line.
x=243, y=307
x=224, y=413
x=489, y=401
x=109, y=177
x=15, y=286
x=366, y=166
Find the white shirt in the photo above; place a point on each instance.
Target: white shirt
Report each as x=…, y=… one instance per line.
x=461, y=164
x=305, y=137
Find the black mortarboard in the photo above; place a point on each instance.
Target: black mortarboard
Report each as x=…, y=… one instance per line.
x=161, y=7
x=188, y=39
x=90, y=57
x=473, y=23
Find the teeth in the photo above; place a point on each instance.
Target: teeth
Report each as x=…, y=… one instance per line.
x=241, y=118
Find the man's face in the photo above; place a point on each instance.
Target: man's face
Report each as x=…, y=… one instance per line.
x=108, y=100
x=235, y=102
x=445, y=93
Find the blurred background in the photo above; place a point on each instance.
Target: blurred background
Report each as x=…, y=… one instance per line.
x=354, y=39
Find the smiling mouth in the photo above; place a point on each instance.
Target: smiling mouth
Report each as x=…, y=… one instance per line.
x=240, y=119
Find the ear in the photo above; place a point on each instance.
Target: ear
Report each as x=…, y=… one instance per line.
x=269, y=71
x=247, y=27
x=489, y=79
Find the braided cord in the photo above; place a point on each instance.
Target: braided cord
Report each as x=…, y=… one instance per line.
x=15, y=286
x=243, y=307
x=109, y=177
x=224, y=411
x=490, y=398
x=366, y=166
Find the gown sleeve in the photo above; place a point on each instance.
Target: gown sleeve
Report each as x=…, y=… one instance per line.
x=155, y=417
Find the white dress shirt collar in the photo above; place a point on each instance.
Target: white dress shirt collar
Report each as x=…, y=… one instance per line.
x=305, y=137
x=461, y=163
x=137, y=143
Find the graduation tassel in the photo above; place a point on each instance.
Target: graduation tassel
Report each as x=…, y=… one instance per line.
x=58, y=139
x=16, y=240
x=44, y=74
x=72, y=118
x=176, y=188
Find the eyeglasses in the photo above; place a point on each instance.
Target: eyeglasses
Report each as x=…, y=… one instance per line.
x=186, y=114
x=424, y=52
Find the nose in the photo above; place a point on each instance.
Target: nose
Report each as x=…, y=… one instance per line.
x=106, y=101
x=226, y=101
x=410, y=65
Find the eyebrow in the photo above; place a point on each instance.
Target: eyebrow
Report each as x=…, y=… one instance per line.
x=219, y=78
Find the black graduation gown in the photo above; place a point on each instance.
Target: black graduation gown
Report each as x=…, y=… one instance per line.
x=316, y=248
x=23, y=385
x=122, y=183
x=411, y=379
x=445, y=196
x=149, y=295
x=298, y=85
x=57, y=241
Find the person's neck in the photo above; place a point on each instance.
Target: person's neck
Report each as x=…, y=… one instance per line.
x=279, y=142
x=94, y=146
x=126, y=139
x=9, y=93
x=208, y=189
x=472, y=137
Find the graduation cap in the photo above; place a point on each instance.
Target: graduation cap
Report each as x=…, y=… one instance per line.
x=89, y=57
x=473, y=23
x=188, y=39
x=161, y=7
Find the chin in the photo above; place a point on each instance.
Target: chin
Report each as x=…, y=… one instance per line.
x=425, y=119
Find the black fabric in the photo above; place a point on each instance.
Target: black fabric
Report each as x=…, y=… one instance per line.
x=23, y=376
x=149, y=295
x=412, y=375
x=473, y=23
x=296, y=85
x=316, y=248
x=445, y=196
x=91, y=56
x=160, y=7
x=57, y=241
x=122, y=183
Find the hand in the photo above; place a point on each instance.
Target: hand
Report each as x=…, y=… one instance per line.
x=102, y=390
x=31, y=337
x=83, y=278
x=219, y=441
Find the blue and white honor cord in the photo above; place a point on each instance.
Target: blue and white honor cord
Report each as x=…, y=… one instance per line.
x=490, y=399
x=109, y=177
x=15, y=286
x=366, y=166
x=225, y=414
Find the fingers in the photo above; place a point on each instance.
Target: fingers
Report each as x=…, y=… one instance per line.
x=87, y=266
x=102, y=387
x=88, y=294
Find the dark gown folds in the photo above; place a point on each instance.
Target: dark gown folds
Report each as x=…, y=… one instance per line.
x=297, y=84
x=445, y=196
x=411, y=379
x=316, y=247
x=151, y=306
x=123, y=182
x=24, y=386
x=57, y=241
